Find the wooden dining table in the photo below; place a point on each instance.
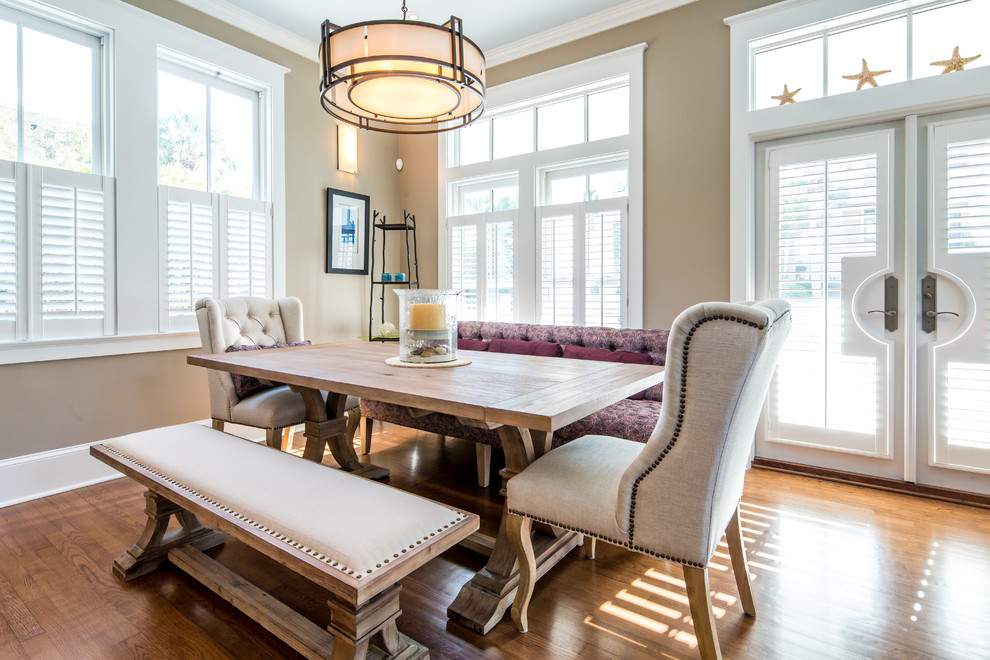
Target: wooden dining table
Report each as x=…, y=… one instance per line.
x=524, y=397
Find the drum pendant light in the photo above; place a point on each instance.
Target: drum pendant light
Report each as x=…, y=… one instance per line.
x=402, y=76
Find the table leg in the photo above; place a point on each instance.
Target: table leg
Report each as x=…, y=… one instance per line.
x=483, y=600
x=326, y=424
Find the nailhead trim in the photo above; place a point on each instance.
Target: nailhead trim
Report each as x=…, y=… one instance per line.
x=270, y=532
x=677, y=431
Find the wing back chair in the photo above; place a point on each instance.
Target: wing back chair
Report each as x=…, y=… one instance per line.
x=673, y=497
x=256, y=322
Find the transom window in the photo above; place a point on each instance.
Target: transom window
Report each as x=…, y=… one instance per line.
x=592, y=112
x=897, y=43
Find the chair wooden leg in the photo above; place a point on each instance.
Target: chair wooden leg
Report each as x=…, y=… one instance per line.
x=518, y=529
x=353, y=424
x=368, y=426
x=273, y=438
x=740, y=567
x=483, y=458
x=696, y=580
x=218, y=424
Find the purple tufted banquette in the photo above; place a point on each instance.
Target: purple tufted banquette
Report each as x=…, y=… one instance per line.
x=632, y=419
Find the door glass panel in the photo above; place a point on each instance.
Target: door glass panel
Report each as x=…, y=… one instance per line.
x=827, y=235
x=960, y=254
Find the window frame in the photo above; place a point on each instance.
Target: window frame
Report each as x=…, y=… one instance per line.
x=561, y=83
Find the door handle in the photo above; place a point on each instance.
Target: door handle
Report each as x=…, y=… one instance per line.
x=889, y=303
x=929, y=304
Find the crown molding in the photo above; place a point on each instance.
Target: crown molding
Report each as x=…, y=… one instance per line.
x=256, y=25
x=580, y=28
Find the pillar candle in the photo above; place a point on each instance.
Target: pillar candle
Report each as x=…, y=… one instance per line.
x=427, y=316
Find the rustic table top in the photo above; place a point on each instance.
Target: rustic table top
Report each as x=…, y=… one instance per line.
x=526, y=391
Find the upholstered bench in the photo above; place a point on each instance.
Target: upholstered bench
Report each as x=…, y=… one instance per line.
x=632, y=419
x=354, y=537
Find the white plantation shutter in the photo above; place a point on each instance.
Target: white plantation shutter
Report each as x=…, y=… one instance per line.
x=248, y=242
x=187, y=222
x=212, y=245
x=827, y=211
x=829, y=227
x=967, y=181
x=582, y=251
x=464, y=269
x=961, y=245
x=72, y=216
x=482, y=265
x=603, y=257
x=8, y=252
x=499, y=259
x=557, y=267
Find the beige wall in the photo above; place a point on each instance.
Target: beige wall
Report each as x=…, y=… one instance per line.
x=686, y=152
x=57, y=404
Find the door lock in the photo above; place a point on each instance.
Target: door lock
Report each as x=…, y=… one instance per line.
x=929, y=304
x=889, y=303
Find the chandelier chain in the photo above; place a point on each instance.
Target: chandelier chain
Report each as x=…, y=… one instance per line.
x=404, y=10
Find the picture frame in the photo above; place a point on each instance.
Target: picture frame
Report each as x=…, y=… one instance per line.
x=348, y=227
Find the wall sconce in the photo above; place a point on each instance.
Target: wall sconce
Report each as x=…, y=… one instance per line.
x=347, y=148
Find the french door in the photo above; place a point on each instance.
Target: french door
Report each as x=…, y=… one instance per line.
x=880, y=239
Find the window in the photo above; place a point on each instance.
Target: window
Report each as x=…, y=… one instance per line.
x=544, y=198
x=56, y=210
x=215, y=232
x=37, y=123
x=903, y=40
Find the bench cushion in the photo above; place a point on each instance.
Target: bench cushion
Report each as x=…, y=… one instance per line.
x=250, y=482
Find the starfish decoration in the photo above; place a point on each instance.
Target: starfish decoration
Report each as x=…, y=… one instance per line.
x=955, y=63
x=785, y=96
x=866, y=76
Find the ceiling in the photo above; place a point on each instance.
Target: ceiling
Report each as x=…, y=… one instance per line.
x=515, y=26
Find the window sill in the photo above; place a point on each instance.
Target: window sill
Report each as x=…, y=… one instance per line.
x=17, y=352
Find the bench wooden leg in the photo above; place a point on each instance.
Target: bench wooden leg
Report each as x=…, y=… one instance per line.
x=155, y=542
x=357, y=630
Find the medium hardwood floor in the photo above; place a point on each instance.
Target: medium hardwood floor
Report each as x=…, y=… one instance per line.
x=838, y=572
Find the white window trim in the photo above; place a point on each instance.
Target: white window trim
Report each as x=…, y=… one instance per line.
x=131, y=50
x=627, y=60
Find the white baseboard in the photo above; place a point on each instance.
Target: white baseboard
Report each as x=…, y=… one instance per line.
x=25, y=478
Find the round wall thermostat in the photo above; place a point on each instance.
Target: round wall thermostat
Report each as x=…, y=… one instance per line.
x=398, y=164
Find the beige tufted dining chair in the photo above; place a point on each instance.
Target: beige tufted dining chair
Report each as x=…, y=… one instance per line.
x=673, y=497
x=262, y=322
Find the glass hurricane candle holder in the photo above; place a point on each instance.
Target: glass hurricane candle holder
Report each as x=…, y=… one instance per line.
x=427, y=324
